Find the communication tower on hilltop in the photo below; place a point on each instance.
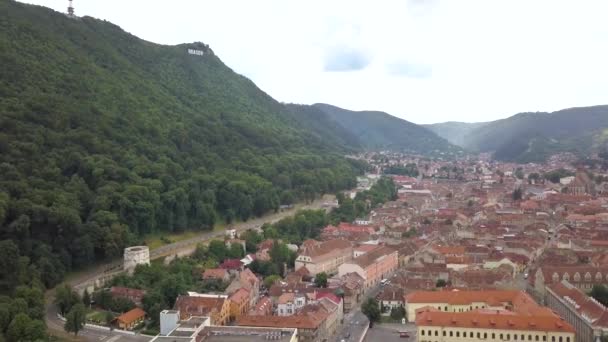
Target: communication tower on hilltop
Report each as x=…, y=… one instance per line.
x=70, y=9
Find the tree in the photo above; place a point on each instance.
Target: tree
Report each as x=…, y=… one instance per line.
x=86, y=298
x=18, y=329
x=65, y=298
x=36, y=331
x=397, y=313
x=270, y=280
x=600, y=293
x=517, y=194
x=321, y=280
x=441, y=283
x=5, y=317
x=75, y=319
x=371, y=310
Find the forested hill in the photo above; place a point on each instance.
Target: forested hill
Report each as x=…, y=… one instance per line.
x=379, y=130
x=529, y=137
x=105, y=137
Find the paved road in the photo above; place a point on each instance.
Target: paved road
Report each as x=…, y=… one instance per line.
x=355, y=321
x=390, y=332
x=54, y=324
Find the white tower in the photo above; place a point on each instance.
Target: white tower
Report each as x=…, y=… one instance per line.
x=70, y=9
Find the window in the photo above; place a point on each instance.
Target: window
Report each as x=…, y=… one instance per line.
x=567, y=339
x=485, y=335
x=458, y=335
x=544, y=338
x=451, y=333
x=523, y=338
x=493, y=336
x=552, y=338
x=478, y=335
x=529, y=337
x=446, y=308
x=501, y=336
x=560, y=339
x=422, y=332
x=536, y=338
x=444, y=333
x=436, y=332
x=508, y=337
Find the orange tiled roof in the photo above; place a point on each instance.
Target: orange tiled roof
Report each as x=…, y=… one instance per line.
x=519, y=299
x=502, y=321
x=131, y=316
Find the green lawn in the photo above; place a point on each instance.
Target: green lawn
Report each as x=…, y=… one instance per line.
x=155, y=240
x=97, y=316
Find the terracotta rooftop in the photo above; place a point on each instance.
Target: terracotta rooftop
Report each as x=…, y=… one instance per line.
x=325, y=248
x=501, y=321
x=131, y=316
x=520, y=300
x=371, y=257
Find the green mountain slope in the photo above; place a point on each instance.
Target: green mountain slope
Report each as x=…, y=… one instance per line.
x=453, y=131
x=379, y=130
x=105, y=137
x=535, y=136
x=317, y=121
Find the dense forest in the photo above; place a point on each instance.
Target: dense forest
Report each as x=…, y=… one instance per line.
x=105, y=137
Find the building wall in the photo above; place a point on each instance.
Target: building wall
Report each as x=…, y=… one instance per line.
x=584, y=330
x=410, y=308
x=327, y=263
x=381, y=269
x=349, y=268
x=489, y=335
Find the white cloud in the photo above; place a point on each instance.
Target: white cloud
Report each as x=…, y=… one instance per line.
x=423, y=60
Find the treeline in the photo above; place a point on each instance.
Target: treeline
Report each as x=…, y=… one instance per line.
x=409, y=169
x=350, y=209
x=122, y=138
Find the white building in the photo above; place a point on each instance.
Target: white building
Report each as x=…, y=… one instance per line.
x=136, y=255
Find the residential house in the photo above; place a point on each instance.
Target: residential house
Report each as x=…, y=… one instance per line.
x=288, y=303
x=217, y=307
x=372, y=266
x=580, y=276
x=239, y=303
x=219, y=274
x=324, y=256
x=134, y=295
x=130, y=319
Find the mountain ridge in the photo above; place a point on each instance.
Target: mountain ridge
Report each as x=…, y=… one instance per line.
x=534, y=136
x=380, y=130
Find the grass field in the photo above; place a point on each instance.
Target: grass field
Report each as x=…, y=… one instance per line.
x=155, y=240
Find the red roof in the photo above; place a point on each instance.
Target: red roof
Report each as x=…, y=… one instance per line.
x=231, y=264
x=131, y=316
x=498, y=320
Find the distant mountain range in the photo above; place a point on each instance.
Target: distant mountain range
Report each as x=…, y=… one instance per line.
x=532, y=137
x=379, y=130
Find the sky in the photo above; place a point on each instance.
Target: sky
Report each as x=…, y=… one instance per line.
x=425, y=61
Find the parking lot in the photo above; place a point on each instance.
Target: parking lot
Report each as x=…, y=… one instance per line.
x=390, y=333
